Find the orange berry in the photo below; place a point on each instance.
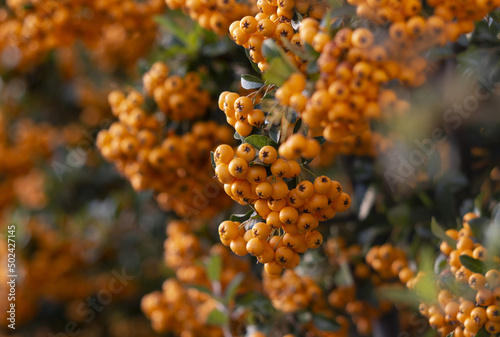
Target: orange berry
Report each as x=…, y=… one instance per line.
x=268, y=154
x=238, y=246
x=228, y=230
x=255, y=246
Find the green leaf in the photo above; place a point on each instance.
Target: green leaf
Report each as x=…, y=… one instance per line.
x=426, y=288
x=217, y=317
x=304, y=316
x=451, y=334
x=320, y=139
x=241, y=217
x=343, y=277
x=474, y=265
x=233, y=286
x=202, y=289
x=399, y=215
x=280, y=67
x=271, y=50
x=259, y=141
x=275, y=133
x=483, y=333
x=251, y=82
x=172, y=27
x=214, y=268
x=291, y=116
x=297, y=125
x=324, y=323
x=212, y=159
x=299, y=51
x=398, y=295
x=478, y=225
x=237, y=136
x=345, y=10
x=440, y=264
x=478, y=201
x=439, y=232
x=495, y=15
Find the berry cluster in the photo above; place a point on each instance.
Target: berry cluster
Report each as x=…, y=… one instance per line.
x=298, y=146
x=175, y=166
x=290, y=215
x=56, y=269
x=183, y=253
x=409, y=28
x=349, y=93
x=212, y=14
x=291, y=292
x=29, y=30
x=356, y=65
x=240, y=112
x=22, y=145
x=389, y=262
x=183, y=249
x=380, y=267
x=468, y=301
x=181, y=311
x=274, y=21
x=178, y=98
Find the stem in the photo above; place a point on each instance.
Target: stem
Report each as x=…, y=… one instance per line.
x=310, y=172
x=281, y=237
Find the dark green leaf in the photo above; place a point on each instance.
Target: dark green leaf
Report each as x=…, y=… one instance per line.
x=320, y=139
x=297, y=125
x=478, y=201
x=495, y=15
x=439, y=232
x=312, y=68
x=216, y=317
x=251, y=82
x=475, y=266
x=233, y=286
x=201, y=288
x=275, y=133
x=291, y=116
x=440, y=263
x=214, y=268
x=399, y=215
x=299, y=51
x=172, y=27
x=212, y=159
x=324, y=323
x=451, y=334
x=259, y=141
x=366, y=291
x=241, y=217
x=304, y=317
